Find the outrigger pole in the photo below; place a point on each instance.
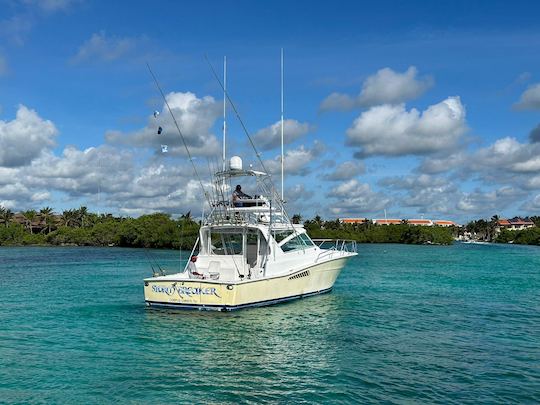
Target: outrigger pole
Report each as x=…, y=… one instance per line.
x=282, y=154
x=274, y=191
x=224, y=111
x=181, y=135
x=237, y=114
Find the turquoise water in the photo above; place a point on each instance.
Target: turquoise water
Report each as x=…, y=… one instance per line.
x=429, y=324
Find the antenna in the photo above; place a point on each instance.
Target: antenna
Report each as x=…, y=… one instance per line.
x=224, y=110
x=99, y=185
x=282, y=155
x=237, y=116
x=273, y=189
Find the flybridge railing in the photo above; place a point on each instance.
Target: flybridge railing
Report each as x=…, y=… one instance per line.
x=223, y=213
x=331, y=246
x=267, y=208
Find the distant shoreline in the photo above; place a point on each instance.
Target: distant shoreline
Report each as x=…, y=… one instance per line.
x=82, y=228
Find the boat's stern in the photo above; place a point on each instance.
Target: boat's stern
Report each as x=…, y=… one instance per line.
x=178, y=293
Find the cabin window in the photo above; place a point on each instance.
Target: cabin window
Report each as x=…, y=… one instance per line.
x=280, y=235
x=252, y=244
x=295, y=243
x=226, y=243
x=308, y=242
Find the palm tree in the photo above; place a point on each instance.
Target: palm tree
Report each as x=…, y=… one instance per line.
x=82, y=214
x=29, y=218
x=5, y=215
x=69, y=218
x=187, y=217
x=296, y=218
x=493, y=226
x=92, y=219
x=47, y=216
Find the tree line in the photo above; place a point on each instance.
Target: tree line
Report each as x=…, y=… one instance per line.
x=368, y=232
x=83, y=228
x=489, y=231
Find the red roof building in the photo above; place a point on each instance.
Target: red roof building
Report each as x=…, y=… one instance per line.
x=444, y=222
x=387, y=221
x=420, y=222
x=353, y=220
x=515, y=224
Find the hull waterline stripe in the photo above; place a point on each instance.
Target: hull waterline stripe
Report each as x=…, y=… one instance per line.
x=234, y=307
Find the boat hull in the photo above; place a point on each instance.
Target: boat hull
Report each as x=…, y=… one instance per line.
x=214, y=295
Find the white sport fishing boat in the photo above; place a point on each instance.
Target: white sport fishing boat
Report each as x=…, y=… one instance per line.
x=249, y=255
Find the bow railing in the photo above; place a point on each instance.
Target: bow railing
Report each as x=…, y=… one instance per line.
x=332, y=246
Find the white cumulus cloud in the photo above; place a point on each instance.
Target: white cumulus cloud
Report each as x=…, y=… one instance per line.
x=195, y=117
x=346, y=171
x=384, y=87
x=510, y=155
x=297, y=160
x=534, y=135
x=393, y=131
x=530, y=99
x=25, y=138
x=270, y=137
x=428, y=194
x=352, y=198
x=101, y=47
x=489, y=202
x=444, y=163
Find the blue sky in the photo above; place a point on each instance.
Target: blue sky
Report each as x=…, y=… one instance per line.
x=420, y=108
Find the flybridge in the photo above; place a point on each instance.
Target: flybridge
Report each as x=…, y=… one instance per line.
x=263, y=206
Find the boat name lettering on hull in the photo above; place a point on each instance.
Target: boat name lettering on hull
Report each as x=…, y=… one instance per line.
x=184, y=291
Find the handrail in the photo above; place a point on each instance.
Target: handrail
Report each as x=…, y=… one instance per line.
x=191, y=254
x=338, y=245
x=319, y=242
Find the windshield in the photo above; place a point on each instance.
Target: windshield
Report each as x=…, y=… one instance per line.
x=226, y=243
x=280, y=235
x=301, y=241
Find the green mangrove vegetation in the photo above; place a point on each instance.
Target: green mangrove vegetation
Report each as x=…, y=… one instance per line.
x=368, y=232
x=82, y=228
x=530, y=236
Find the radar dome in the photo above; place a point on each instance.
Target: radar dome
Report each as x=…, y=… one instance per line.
x=235, y=163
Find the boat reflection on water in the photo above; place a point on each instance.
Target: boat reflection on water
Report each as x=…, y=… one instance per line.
x=248, y=348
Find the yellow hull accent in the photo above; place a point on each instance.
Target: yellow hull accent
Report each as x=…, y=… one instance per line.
x=209, y=294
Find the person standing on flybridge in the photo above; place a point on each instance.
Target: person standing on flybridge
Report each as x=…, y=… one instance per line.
x=237, y=195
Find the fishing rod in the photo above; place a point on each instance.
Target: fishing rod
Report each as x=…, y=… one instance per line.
x=153, y=262
x=179, y=132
